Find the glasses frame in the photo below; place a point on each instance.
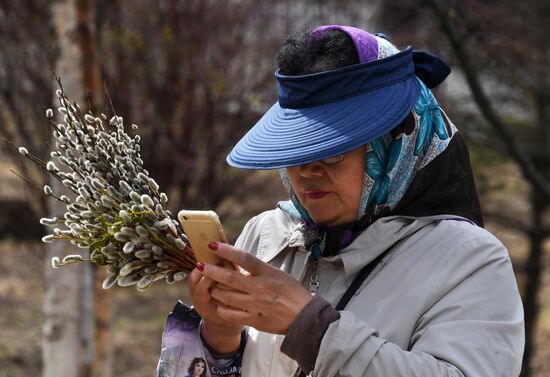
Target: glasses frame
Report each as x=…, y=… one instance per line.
x=334, y=160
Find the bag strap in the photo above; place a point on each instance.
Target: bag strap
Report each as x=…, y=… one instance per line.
x=360, y=278
x=358, y=281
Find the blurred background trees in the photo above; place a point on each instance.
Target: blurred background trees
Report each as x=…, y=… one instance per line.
x=503, y=51
x=195, y=75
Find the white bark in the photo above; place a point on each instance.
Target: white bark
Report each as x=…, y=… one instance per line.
x=68, y=314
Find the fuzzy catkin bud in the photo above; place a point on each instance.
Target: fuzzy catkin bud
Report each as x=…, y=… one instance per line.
x=170, y=278
x=55, y=262
x=128, y=248
x=130, y=267
x=83, y=193
x=48, y=239
x=130, y=232
x=23, y=151
x=163, y=265
x=147, y=201
x=161, y=225
x=86, y=214
x=124, y=216
x=120, y=237
x=50, y=166
x=49, y=113
x=141, y=231
x=47, y=190
x=63, y=160
x=153, y=184
x=144, y=282
x=97, y=184
x=125, y=186
x=180, y=244
x=73, y=258
x=181, y=275
x=151, y=269
x=135, y=196
x=48, y=222
x=142, y=254
x=128, y=280
x=109, y=282
x=109, y=250
x=89, y=118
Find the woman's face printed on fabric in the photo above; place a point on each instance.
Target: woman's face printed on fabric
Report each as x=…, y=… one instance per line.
x=199, y=369
x=330, y=192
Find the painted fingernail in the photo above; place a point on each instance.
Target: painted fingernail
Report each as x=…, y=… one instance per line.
x=213, y=245
x=200, y=266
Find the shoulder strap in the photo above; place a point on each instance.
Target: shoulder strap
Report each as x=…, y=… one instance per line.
x=360, y=278
x=364, y=274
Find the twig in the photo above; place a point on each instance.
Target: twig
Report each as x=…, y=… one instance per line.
x=35, y=186
x=506, y=133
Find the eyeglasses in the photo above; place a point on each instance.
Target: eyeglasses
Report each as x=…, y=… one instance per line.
x=332, y=160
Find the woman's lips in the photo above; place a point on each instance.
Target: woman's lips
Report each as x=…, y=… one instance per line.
x=315, y=194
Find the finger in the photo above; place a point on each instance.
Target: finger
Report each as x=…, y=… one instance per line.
x=238, y=316
x=232, y=314
x=193, y=279
x=240, y=257
x=230, y=278
x=233, y=298
x=201, y=295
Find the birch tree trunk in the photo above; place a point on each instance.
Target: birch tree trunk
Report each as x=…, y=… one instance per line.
x=68, y=315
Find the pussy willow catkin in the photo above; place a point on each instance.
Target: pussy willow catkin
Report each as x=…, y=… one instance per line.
x=117, y=212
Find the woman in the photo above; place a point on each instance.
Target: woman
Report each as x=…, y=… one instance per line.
x=197, y=368
x=382, y=211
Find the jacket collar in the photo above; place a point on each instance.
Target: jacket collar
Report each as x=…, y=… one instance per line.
x=280, y=231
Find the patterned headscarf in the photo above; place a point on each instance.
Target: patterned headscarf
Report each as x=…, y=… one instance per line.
x=396, y=167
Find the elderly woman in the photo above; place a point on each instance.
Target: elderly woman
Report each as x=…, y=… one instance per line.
x=378, y=265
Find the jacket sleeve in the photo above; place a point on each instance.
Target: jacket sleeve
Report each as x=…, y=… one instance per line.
x=472, y=326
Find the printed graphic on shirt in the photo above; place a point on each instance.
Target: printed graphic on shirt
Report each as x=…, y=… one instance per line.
x=183, y=353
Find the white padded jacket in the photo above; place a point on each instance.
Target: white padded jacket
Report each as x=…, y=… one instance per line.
x=443, y=302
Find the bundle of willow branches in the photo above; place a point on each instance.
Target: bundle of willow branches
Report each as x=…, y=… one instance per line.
x=118, y=213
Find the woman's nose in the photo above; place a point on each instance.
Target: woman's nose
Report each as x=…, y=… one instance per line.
x=312, y=169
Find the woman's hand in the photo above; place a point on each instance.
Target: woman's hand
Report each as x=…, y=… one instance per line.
x=220, y=334
x=266, y=298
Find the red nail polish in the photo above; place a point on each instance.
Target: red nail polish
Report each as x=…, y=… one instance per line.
x=213, y=245
x=200, y=266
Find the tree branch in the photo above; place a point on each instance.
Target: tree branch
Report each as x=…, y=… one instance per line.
x=507, y=221
x=506, y=133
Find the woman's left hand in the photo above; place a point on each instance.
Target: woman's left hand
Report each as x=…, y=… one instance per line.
x=266, y=298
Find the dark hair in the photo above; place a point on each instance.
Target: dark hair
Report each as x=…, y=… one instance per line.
x=191, y=369
x=301, y=54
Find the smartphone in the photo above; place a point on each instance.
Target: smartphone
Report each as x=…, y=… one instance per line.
x=201, y=228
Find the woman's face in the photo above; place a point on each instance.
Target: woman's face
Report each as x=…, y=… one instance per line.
x=330, y=193
x=199, y=369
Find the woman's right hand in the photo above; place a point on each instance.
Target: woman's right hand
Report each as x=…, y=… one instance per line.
x=221, y=335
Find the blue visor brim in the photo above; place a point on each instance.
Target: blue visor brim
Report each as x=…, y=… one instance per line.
x=320, y=121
